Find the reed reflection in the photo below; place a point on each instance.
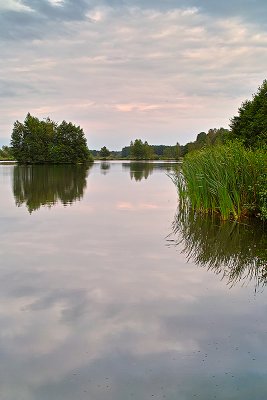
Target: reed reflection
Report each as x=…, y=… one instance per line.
x=142, y=170
x=236, y=251
x=46, y=185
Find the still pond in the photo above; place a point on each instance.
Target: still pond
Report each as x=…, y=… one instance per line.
x=109, y=292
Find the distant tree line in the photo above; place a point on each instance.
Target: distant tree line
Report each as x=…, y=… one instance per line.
x=211, y=138
x=45, y=141
x=6, y=153
x=139, y=150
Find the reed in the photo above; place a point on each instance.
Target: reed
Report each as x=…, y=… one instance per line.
x=228, y=180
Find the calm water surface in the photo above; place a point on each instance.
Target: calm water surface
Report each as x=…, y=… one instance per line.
x=109, y=292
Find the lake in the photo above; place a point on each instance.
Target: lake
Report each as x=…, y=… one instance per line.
x=109, y=291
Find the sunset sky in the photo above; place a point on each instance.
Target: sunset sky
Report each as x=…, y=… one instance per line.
x=161, y=70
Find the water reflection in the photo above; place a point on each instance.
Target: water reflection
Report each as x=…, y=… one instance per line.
x=40, y=185
x=142, y=170
x=236, y=251
x=95, y=306
x=104, y=167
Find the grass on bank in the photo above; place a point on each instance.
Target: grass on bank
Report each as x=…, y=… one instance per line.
x=229, y=180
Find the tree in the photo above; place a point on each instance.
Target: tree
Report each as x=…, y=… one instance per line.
x=6, y=153
x=136, y=149
x=148, y=151
x=250, y=125
x=36, y=141
x=168, y=152
x=177, y=151
x=125, y=151
x=140, y=150
x=104, y=152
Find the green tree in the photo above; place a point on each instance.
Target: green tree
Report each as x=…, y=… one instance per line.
x=177, y=151
x=125, y=151
x=168, y=152
x=36, y=141
x=140, y=150
x=136, y=149
x=148, y=151
x=250, y=125
x=104, y=152
x=6, y=153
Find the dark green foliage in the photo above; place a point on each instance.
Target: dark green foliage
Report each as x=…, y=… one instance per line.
x=94, y=153
x=137, y=150
x=6, y=153
x=172, y=152
x=104, y=152
x=114, y=154
x=214, y=137
x=125, y=152
x=40, y=185
x=140, y=150
x=236, y=251
x=250, y=125
x=201, y=139
x=158, y=151
x=36, y=141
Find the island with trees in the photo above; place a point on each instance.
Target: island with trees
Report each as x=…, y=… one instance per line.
x=37, y=142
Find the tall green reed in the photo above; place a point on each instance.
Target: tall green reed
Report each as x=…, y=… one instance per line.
x=229, y=180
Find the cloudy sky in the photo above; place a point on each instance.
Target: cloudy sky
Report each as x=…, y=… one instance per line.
x=159, y=70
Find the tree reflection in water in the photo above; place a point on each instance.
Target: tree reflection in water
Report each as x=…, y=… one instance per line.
x=104, y=167
x=46, y=185
x=142, y=170
x=236, y=251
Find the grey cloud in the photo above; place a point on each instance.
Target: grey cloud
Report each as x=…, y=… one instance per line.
x=15, y=89
x=43, y=20
x=251, y=10
x=39, y=22
x=67, y=10
x=16, y=25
